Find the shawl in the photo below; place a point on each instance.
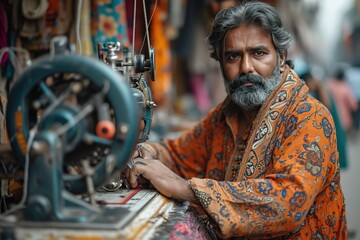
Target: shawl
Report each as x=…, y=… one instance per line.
x=265, y=128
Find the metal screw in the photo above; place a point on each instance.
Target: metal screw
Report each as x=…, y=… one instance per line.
x=39, y=147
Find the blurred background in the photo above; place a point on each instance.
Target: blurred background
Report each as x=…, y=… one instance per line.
x=325, y=52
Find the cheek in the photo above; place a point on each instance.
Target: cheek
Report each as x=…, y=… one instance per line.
x=230, y=72
x=266, y=70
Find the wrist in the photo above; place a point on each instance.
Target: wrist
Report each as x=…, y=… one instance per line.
x=187, y=192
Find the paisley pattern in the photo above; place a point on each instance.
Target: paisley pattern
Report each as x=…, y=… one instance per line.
x=327, y=128
x=281, y=180
x=313, y=158
x=290, y=126
x=305, y=107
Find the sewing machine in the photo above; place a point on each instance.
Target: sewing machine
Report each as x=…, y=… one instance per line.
x=73, y=123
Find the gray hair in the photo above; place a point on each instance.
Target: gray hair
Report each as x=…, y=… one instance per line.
x=258, y=13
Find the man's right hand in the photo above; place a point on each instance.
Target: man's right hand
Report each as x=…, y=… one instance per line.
x=144, y=151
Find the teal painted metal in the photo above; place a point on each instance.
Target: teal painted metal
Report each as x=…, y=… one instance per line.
x=30, y=88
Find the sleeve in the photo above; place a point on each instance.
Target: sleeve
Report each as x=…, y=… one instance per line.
x=304, y=161
x=188, y=154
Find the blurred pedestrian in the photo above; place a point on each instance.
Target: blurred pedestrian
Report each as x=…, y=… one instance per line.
x=344, y=98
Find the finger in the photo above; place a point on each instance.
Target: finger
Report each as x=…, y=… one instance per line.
x=142, y=152
x=136, y=172
x=139, y=170
x=133, y=178
x=126, y=173
x=136, y=154
x=142, y=167
x=139, y=150
x=146, y=151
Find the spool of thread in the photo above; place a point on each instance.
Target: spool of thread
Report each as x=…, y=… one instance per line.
x=105, y=128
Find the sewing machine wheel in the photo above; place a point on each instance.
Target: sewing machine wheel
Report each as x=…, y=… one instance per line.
x=152, y=63
x=87, y=104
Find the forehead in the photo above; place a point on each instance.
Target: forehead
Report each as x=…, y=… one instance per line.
x=247, y=36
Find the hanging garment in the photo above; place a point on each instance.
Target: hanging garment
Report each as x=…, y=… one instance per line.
x=31, y=22
x=85, y=30
x=109, y=22
x=55, y=21
x=161, y=86
x=129, y=6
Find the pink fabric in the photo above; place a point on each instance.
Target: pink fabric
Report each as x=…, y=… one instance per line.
x=345, y=101
x=200, y=92
x=191, y=227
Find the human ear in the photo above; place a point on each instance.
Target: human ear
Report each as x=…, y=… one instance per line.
x=282, y=62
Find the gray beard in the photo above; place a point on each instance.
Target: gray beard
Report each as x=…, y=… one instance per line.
x=252, y=97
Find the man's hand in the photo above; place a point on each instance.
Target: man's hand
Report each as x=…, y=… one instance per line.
x=162, y=178
x=146, y=151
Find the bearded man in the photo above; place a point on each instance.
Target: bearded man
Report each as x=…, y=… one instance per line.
x=264, y=162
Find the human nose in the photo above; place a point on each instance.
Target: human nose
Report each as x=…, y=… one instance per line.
x=246, y=65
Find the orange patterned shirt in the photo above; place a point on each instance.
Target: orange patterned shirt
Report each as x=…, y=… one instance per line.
x=280, y=178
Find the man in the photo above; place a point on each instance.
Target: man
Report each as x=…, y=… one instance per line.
x=263, y=163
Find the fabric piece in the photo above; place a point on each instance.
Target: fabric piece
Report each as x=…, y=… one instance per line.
x=129, y=6
x=109, y=22
x=160, y=88
x=34, y=9
x=33, y=12
x=288, y=182
x=85, y=29
x=191, y=227
x=56, y=21
x=197, y=82
x=182, y=46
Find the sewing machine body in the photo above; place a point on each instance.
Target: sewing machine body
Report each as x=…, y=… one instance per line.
x=73, y=122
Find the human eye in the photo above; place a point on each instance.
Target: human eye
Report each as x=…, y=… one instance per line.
x=232, y=56
x=258, y=53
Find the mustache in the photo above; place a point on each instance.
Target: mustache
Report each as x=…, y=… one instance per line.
x=245, y=78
